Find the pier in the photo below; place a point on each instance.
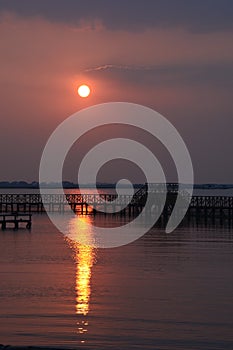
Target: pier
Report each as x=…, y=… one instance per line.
x=15, y=219
x=200, y=206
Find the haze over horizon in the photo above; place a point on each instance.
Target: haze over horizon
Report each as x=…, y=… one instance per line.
x=173, y=56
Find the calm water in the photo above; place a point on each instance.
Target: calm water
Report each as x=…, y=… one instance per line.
x=161, y=292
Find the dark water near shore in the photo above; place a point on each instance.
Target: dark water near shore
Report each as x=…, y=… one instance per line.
x=161, y=292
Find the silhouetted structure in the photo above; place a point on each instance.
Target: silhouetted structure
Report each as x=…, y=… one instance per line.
x=15, y=219
x=220, y=207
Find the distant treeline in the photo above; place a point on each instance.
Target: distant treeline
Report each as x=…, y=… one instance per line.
x=68, y=184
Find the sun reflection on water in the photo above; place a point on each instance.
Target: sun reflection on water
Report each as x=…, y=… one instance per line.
x=85, y=257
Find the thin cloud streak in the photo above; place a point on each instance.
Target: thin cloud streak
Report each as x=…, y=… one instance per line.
x=218, y=73
x=117, y=67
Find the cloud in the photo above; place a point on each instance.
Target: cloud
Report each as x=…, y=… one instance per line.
x=112, y=67
x=130, y=15
x=219, y=74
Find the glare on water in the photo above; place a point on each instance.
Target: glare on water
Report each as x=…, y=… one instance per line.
x=84, y=256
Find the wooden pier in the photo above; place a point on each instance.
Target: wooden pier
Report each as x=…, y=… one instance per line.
x=15, y=219
x=200, y=206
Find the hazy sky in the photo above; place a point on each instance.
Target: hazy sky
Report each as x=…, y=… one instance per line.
x=174, y=56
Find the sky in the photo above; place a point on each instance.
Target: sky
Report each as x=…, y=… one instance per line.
x=173, y=56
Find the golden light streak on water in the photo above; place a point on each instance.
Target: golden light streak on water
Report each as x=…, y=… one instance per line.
x=85, y=257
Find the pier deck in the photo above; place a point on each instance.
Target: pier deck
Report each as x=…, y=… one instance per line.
x=205, y=206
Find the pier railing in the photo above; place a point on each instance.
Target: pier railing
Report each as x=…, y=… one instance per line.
x=84, y=203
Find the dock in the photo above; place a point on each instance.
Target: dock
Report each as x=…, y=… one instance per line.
x=208, y=207
x=15, y=220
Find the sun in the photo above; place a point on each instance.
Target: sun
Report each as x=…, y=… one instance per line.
x=84, y=90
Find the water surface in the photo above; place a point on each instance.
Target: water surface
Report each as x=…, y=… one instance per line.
x=161, y=292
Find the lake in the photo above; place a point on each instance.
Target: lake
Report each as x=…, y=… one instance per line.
x=171, y=291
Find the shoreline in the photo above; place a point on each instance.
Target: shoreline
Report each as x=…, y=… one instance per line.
x=23, y=347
